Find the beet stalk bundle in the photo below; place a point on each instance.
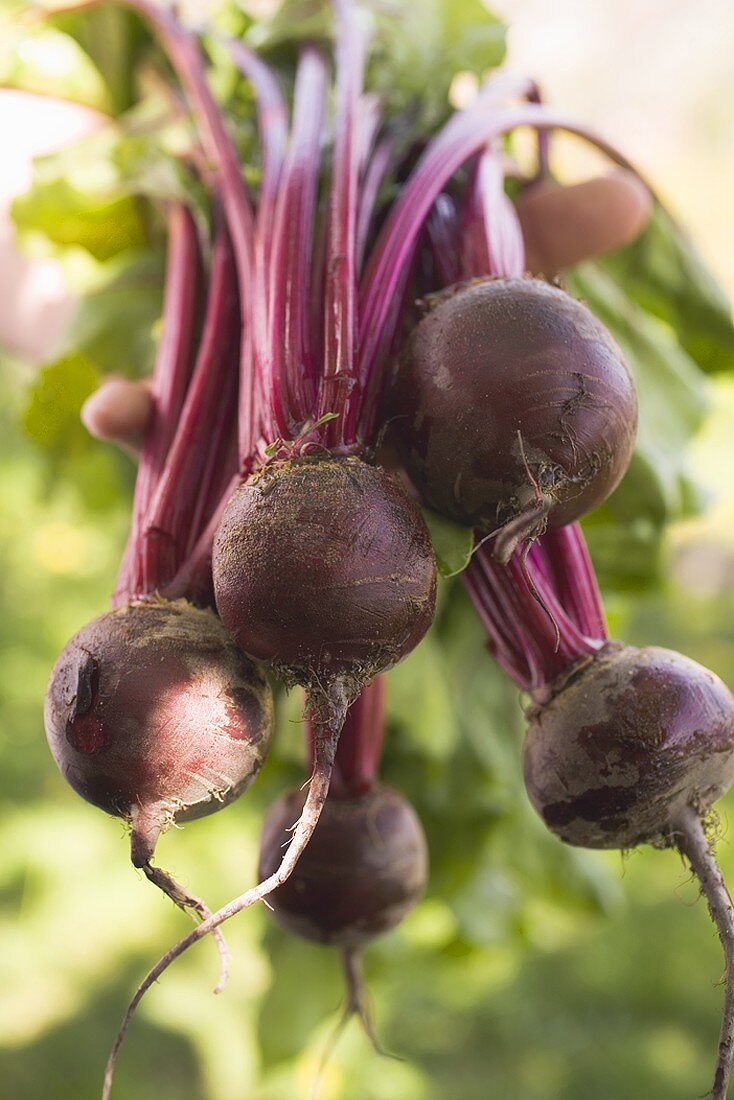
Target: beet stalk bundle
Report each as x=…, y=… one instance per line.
x=321, y=564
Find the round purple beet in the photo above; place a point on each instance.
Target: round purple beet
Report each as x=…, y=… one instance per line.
x=365, y=866
x=155, y=715
x=626, y=744
x=324, y=569
x=510, y=399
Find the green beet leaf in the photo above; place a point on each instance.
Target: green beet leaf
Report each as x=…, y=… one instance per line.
x=664, y=273
x=672, y=395
x=452, y=543
x=51, y=418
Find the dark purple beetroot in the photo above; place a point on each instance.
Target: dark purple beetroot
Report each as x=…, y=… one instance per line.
x=365, y=866
x=364, y=869
x=323, y=568
x=155, y=715
x=626, y=745
x=512, y=408
x=635, y=747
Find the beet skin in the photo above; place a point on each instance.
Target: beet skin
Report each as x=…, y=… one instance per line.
x=363, y=870
x=626, y=744
x=324, y=569
x=509, y=398
x=155, y=715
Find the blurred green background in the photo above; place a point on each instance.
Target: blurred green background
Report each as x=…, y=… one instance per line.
x=529, y=972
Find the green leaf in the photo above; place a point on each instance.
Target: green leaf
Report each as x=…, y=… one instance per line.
x=51, y=418
x=628, y=556
x=88, y=195
x=69, y=217
x=420, y=49
x=452, y=543
x=420, y=701
x=466, y=34
x=672, y=396
x=115, y=320
x=112, y=39
x=665, y=274
x=39, y=58
x=292, y=23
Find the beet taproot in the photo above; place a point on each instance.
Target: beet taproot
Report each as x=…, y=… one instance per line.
x=364, y=869
x=634, y=746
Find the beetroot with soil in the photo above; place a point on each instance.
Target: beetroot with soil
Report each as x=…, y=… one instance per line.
x=154, y=715
x=363, y=871
x=324, y=569
x=512, y=408
x=626, y=744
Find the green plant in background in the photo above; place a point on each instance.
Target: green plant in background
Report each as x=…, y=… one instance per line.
x=530, y=970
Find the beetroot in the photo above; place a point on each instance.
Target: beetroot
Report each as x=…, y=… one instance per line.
x=634, y=747
x=626, y=743
x=512, y=408
x=624, y=746
x=363, y=870
x=324, y=569
x=154, y=715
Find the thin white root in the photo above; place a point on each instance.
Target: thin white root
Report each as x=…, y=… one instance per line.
x=193, y=905
x=354, y=1005
x=328, y=723
x=691, y=841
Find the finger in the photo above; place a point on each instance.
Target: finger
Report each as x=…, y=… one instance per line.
x=563, y=226
x=119, y=412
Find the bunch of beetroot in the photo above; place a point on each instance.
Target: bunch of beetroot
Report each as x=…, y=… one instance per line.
x=366, y=290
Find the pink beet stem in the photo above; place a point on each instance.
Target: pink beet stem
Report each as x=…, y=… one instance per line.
x=337, y=389
x=574, y=578
x=272, y=115
x=492, y=241
x=375, y=171
x=289, y=366
x=170, y=380
x=201, y=445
